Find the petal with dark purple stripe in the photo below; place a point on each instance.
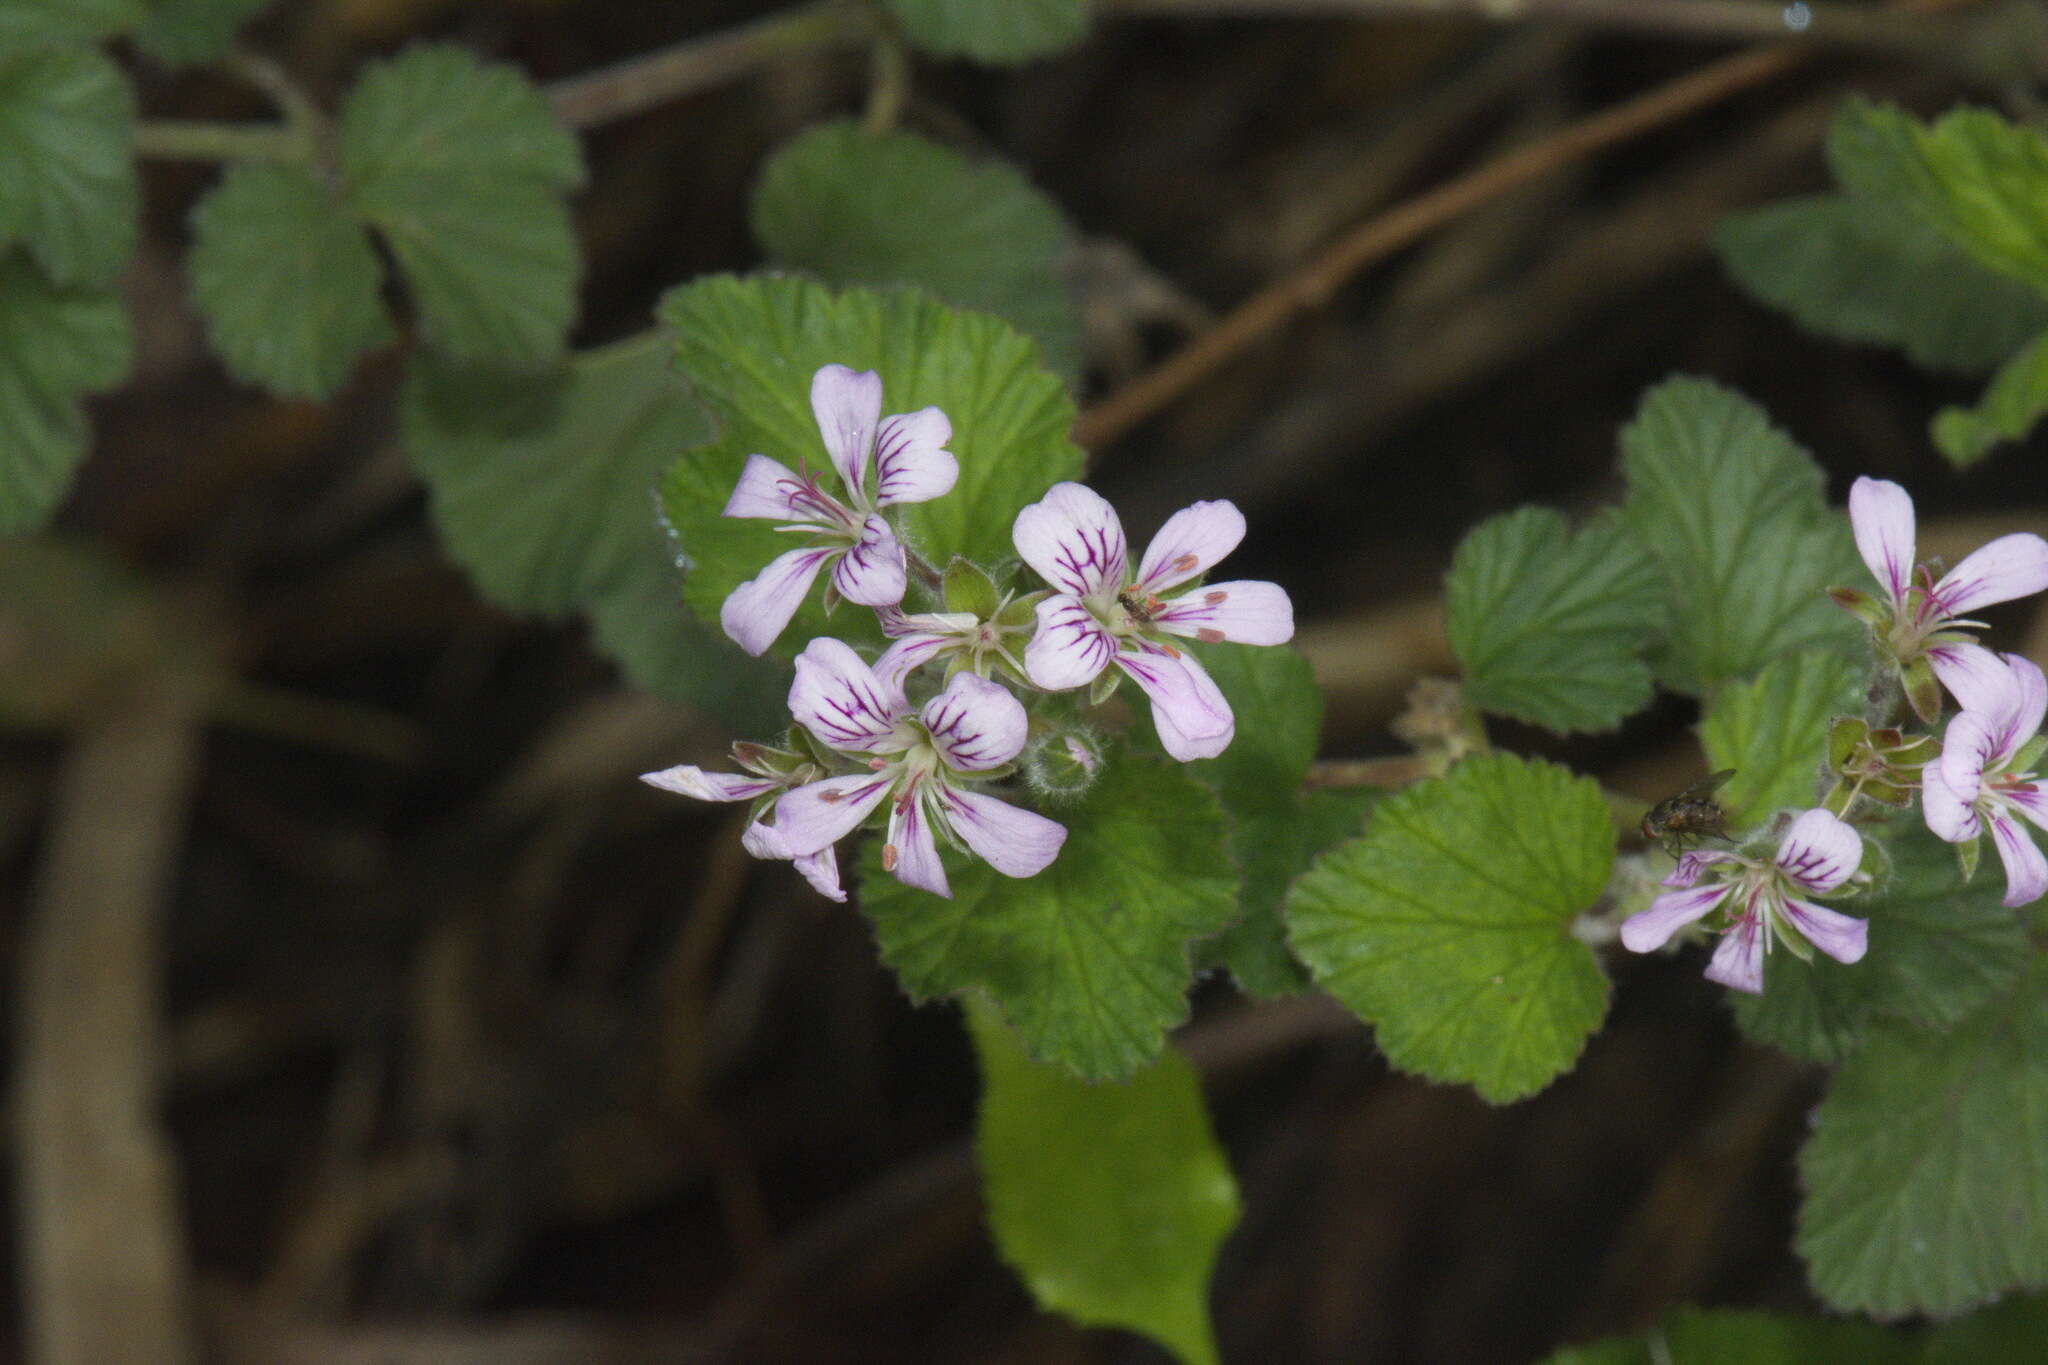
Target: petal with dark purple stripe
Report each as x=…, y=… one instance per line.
x=912, y=463
x=838, y=698
x=975, y=724
x=1074, y=541
x=1070, y=646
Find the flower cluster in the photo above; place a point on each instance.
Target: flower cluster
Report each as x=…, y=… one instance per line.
x=1981, y=774
x=909, y=740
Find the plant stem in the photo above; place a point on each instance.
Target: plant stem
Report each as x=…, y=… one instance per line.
x=187, y=140
x=888, y=86
x=641, y=83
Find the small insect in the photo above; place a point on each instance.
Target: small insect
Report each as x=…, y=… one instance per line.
x=1141, y=610
x=1679, y=821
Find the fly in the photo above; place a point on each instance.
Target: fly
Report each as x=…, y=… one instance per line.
x=1692, y=815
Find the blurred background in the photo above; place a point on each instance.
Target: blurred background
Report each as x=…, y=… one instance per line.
x=476, y=1050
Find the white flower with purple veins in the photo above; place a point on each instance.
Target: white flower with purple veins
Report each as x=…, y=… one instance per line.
x=907, y=456
x=1921, y=625
x=768, y=771
x=917, y=761
x=1754, y=902
x=1100, y=613
x=1985, y=776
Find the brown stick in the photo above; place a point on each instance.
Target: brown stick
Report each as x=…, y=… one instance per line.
x=104, y=1268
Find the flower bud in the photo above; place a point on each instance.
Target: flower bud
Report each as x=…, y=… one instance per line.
x=1065, y=763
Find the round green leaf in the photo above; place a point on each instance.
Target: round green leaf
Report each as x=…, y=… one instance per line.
x=286, y=281
x=1773, y=731
x=1088, y=959
x=1109, y=1200
x=852, y=207
x=56, y=344
x=1447, y=926
x=66, y=125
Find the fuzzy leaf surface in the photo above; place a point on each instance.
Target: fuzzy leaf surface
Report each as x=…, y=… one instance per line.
x=1090, y=958
x=56, y=345
x=851, y=207
x=998, y=34
x=1869, y=271
x=1447, y=925
x=1938, y=950
x=1550, y=627
x=2011, y=407
x=1773, y=731
x=545, y=489
x=462, y=165
x=1732, y=509
x=67, y=162
x=1108, y=1200
x=1973, y=176
x=287, y=282
x=1926, y=1175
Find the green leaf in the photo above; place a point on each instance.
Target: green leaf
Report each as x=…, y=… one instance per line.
x=1693, y=1336
x=751, y=345
x=1258, y=779
x=463, y=166
x=2009, y=1334
x=1108, y=1200
x=287, y=282
x=544, y=490
x=1732, y=509
x=1973, y=176
x=852, y=207
x=189, y=32
x=1927, y=1171
x=1938, y=950
x=1550, y=627
x=27, y=22
x=1773, y=730
x=1448, y=925
x=2010, y=408
x=1089, y=959
x=56, y=344
x=1865, y=270
x=999, y=34
x=66, y=127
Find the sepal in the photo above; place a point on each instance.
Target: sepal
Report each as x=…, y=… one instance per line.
x=1923, y=691
x=1873, y=613
x=1967, y=853
x=968, y=588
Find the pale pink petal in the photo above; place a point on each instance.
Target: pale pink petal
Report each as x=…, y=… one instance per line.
x=2026, y=869
x=819, y=814
x=1739, y=959
x=1070, y=646
x=1247, y=613
x=2010, y=566
x=1842, y=937
x=762, y=841
x=1966, y=749
x=1973, y=676
x=871, y=573
x=912, y=463
x=764, y=490
x=757, y=610
x=2029, y=710
x=1073, y=539
x=1881, y=514
x=1192, y=716
x=1947, y=814
x=1192, y=540
x=908, y=654
x=975, y=724
x=1650, y=929
x=1016, y=843
x=838, y=698
x=2030, y=800
x=1820, y=851
x=847, y=403
x=1691, y=865
x=690, y=781
x=821, y=870
x=910, y=853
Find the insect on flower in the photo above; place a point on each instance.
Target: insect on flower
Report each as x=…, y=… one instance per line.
x=1692, y=815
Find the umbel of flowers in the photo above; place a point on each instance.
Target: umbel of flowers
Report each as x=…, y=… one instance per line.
x=1981, y=775
x=914, y=742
